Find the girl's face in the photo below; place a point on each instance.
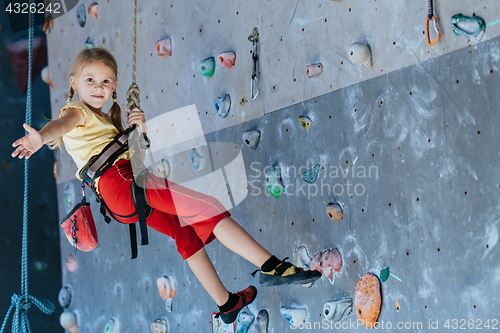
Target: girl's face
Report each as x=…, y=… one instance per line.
x=94, y=85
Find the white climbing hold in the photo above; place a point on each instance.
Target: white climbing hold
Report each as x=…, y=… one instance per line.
x=338, y=309
x=163, y=168
x=68, y=321
x=302, y=258
x=294, y=316
x=65, y=296
x=159, y=326
x=251, y=138
x=360, y=53
x=261, y=322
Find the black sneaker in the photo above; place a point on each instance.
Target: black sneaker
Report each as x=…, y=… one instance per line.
x=247, y=296
x=286, y=273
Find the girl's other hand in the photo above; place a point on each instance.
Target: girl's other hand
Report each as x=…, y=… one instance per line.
x=136, y=116
x=29, y=144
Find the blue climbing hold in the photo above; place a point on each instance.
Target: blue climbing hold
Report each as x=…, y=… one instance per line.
x=89, y=44
x=310, y=175
x=245, y=318
x=384, y=274
x=81, y=15
x=474, y=26
x=197, y=161
x=223, y=105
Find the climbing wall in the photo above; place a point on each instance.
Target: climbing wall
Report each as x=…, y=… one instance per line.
x=407, y=149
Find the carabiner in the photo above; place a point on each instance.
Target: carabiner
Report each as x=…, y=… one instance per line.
x=48, y=25
x=436, y=27
x=254, y=38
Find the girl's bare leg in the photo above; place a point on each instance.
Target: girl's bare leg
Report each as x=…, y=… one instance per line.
x=235, y=238
x=204, y=270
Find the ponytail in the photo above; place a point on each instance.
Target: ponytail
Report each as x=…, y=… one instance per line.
x=115, y=114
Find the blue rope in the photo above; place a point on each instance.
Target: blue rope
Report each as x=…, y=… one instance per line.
x=20, y=322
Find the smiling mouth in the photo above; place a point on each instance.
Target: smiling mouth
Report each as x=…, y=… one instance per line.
x=96, y=96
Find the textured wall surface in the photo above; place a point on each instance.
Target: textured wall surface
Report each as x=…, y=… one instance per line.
x=423, y=121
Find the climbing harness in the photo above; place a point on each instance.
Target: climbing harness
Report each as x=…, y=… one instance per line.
x=23, y=302
x=254, y=38
x=431, y=17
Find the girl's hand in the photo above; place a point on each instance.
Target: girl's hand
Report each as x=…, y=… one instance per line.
x=136, y=116
x=29, y=144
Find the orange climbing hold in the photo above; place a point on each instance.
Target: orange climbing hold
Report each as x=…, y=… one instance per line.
x=334, y=211
x=368, y=299
x=93, y=9
x=164, y=47
x=227, y=59
x=314, y=70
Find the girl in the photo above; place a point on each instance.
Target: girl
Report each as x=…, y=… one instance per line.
x=192, y=221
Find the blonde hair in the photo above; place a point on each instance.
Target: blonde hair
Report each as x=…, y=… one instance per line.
x=85, y=57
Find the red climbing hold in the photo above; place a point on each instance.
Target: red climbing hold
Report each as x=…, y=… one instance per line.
x=164, y=47
x=314, y=70
x=326, y=262
x=227, y=59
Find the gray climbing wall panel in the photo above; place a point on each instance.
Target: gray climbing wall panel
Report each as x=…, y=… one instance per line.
x=411, y=155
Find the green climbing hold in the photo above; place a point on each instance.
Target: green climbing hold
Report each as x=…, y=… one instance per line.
x=384, y=274
x=89, y=44
x=310, y=175
x=207, y=67
x=305, y=121
x=274, y=182
x=474, y=26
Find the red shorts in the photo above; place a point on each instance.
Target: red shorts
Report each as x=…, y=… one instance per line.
x=187, y=216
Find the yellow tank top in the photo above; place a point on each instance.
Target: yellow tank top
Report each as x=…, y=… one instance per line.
x=83, y=142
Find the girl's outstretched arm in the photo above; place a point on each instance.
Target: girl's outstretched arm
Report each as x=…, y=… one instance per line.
x=34, y=140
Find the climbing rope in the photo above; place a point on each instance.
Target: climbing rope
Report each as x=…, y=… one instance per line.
x=22, y=303
x=431, y=17
x=133, y=91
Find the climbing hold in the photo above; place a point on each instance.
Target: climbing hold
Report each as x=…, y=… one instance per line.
x=221, y=327
x=314, y=70
x=197, y=161
x=368, y=299
x=334, y=211
x=93, y=9
x=89, y=44
x=111, y=326
x=71, y=263
x=65, y=296
x=81, y=15
x=245, y=318
x=310, y=175
x=274, y=182
x=166, y=286
x=360, y=54
x=223, y=105
x=163, y=47
x=261, y=322
x=326, y=262
x=338, y=309
x=384, y=274
x=207, y=67
x=163, y=168
x=302, y=260
x=68, y=321
x=251, y=138
x=293, y=316
x=68, y=194
x=305, y=121
x=159, y=326
x=474, y=26
x=227, y=59
x=46, y=77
